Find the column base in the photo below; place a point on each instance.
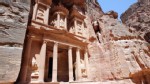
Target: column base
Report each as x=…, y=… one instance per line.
x=82, y=80
x=41, y=81
x=71, y=80
x=54, y=81
x=20, y=82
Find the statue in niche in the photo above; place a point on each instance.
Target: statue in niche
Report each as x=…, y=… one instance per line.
x=35, y=72
x=82, y=67
x=62, y=23
x=78, y=26
x=72, y=30
x=53, y=23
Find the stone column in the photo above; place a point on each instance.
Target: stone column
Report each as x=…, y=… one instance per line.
x=42, y=62
x=75, y=26
x=83, y=31
x=66, y=23
x=55, y=57
x=78, y=68
x=22, y=77
x=58, y=20
x=35, y=11
x=86, y=63
x=46, y=18
x=70, y=64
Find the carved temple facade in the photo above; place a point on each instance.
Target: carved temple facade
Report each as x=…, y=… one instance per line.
x=56, y=45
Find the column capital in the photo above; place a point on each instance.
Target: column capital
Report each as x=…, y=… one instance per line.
x=48, y=6
x=45, y=41
x=78, y=48
x=70, y=47
x=58, y=13
x=86, y=50
x=56, y=43
x=30, y=37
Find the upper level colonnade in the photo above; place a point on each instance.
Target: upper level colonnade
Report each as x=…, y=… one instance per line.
x=58, y=17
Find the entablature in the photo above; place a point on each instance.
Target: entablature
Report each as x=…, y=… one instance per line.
x=57, y=35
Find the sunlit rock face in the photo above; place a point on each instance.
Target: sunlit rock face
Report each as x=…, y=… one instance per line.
x=118, y=53
x=137, y=16
x=121, y=53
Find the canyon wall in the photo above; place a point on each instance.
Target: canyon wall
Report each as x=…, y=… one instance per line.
x=13, y=24
x=119, y=55
x=138, y=17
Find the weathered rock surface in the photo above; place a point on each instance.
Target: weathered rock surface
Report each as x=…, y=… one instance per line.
x=119, y=54
x=113, y=14
x=138, y=17
x=9, y=63
x=13, y=23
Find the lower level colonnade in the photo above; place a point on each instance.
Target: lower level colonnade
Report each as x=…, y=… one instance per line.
x=78, y=70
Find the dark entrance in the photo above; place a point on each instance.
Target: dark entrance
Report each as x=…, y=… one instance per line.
x=63, y=71
x=50, y=69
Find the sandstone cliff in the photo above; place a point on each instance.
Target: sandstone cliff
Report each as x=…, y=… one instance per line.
x=119, y=55
x=13, y=21
x=138, y=17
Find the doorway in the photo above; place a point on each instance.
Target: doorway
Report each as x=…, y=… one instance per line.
x=50, y=69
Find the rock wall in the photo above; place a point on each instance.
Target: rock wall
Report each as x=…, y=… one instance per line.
x=120, y=53
x=13, y=21
x=138, y=17
x=146, y=2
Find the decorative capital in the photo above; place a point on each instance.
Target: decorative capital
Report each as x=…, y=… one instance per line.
x=78, y=49
x=55, y=43
x=86, y=50
x=45, y=41
x=30, y=37
x=70, y=47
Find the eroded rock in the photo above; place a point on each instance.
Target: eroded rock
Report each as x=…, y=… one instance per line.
x=138, y=17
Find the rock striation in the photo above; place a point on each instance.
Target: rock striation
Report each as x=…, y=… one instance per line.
x=13, y=23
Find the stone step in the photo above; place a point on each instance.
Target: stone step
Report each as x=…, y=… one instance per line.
x=127, y=81
x=68, y=83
